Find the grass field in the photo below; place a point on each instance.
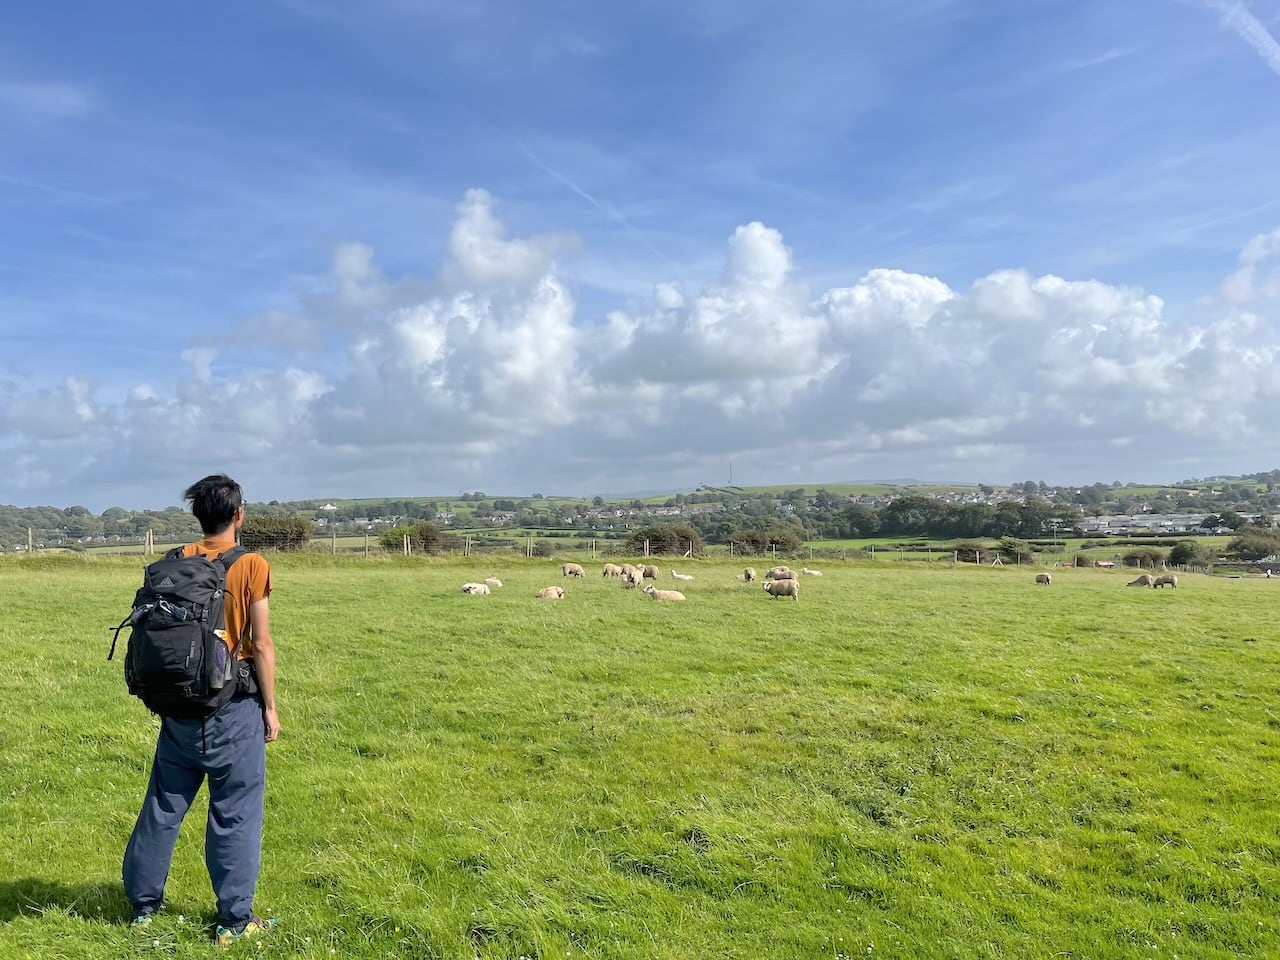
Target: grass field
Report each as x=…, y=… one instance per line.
x=911, y=762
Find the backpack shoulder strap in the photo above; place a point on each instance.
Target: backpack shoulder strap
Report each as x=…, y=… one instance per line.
x=228, y=559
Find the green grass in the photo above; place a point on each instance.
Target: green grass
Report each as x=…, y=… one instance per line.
x=912, y=762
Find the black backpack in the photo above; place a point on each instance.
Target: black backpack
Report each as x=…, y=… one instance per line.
x=177, y=662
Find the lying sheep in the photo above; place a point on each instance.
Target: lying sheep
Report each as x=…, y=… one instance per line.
x=648, y=571
x=663, y=594
x=780, y=573
x=493, y=582
x=748, y=575
x=612, y=570
x=476, y=589
x=810, y=573
x=551, y=593
x=1044, y=578
x=572, y=570
x=1169, y=579
x=1146, y=580
x=782, y=588
x=681, y=576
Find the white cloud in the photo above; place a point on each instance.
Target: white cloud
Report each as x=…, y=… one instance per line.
x=1240, y=19
x=491, y=353
x=490, y=375
x=42, y=100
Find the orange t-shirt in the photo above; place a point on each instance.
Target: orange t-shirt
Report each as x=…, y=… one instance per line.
x=248, y=581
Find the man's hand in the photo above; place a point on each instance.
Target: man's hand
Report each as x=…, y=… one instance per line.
x=272, y=722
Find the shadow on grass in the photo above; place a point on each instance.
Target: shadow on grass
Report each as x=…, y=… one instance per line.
x=32, y=897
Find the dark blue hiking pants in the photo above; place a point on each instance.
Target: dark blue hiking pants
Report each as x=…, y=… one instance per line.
x=231, y=751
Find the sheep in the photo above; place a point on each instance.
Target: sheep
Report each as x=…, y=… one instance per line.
x=748, y=575
x=493, y=581
x=663, y=594
x=1169, y=578
x=628, y=568
x=612, y=570
x=648, y=571
x=631, y=579
x=1146, y=580
x=681, y=576
x=572, y=570
x=780, y=573
x=810, y=573
x=782, y=588
x=1045, y=578
x=476, y=589
x=551, y=593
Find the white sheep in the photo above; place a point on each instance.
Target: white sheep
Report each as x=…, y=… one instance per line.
x=493, y=581
x=632, y=579
x=780, y=573
x=572, y=570
x=476, y=589
x=681, y=576
x=612, y=570
x=551, y=593
x=1045, y=578
x=663, y=594
x=748, y=575
x=782, y=588
x=648, y=571
x=1168, y=579
x=810, y=573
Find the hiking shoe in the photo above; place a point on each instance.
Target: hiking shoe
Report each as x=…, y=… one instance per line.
x=256, y=927
x=142, y=919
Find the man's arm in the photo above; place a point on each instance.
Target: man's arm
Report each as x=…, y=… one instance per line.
x=264, y=661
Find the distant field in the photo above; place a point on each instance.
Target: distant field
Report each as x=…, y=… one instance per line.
x=837, y=489
x=911, y=762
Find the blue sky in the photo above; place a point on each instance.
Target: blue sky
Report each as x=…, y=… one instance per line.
x=423, y=247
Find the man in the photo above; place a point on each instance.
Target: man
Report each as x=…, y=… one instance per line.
x=229, y=748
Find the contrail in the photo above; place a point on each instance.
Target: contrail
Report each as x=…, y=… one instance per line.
x=1249, y=28
x=604, y=208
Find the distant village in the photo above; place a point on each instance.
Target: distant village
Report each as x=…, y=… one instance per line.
x=1102, y=510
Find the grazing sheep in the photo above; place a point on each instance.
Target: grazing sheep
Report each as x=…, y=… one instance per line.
x=782, y=588
x=663, y=594
x=632, y=579
x=1169, y=578
x=476, y=589
x=1146, y=580
x=572, y=570
x=781, y=573
x=810, y=573
x=493, y=582
x=1045, y=578
x=551, y=593
x=681, y=576
x=748, y=575
x=648, y=571
x=612, y=570
x=627, y=568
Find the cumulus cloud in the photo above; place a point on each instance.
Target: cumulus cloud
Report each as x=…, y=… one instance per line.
x=488, y=374
x=491, y=353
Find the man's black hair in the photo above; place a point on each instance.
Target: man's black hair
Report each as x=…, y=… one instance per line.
x=214, y=501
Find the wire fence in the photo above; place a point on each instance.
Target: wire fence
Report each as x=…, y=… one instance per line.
x=557, y=545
